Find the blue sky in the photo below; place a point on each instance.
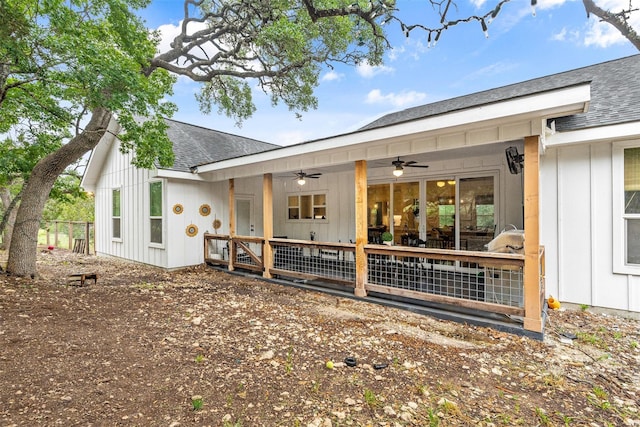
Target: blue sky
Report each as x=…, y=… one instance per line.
x=520, y=46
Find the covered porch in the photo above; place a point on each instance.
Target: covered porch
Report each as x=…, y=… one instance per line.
x=441, y=215
x=443, y=264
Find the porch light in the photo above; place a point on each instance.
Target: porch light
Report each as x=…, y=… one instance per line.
x=301, y=181
x=398, y=171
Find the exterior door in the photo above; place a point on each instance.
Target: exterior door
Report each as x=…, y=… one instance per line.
x=244, y=217
x=461, y=213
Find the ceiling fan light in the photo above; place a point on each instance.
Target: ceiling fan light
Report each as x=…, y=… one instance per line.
x=301, y=181
x=397, y=172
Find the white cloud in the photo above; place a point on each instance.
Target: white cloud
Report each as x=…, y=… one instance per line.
x=397, y=100
x=550, y=4
x=561, y=36
x=395, y=52
x=332, y=76
x=603, y=35
x=478, y=3
x=368, y=71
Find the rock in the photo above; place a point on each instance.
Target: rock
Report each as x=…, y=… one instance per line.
x=269, y=354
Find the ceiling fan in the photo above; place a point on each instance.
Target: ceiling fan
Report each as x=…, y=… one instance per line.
x=401, y=164
x=301, y=177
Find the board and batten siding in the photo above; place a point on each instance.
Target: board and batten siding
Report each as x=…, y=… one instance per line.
x=577, y=225
x=118, y=172
x=339, y=189
x=183, y=249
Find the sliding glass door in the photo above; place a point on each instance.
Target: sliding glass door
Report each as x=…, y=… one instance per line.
x=460, y=212
x=476, y=212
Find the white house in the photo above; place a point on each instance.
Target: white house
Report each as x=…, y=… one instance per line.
x=557, y=156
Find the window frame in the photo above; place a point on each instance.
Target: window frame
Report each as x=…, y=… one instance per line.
x=160, y=217
x=115, y=238
x=620, y=218
x=313, y=206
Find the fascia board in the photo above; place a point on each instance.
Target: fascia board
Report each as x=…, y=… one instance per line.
x=172, y=174
x=602, y=133
x=98, y=156
x=554, y=103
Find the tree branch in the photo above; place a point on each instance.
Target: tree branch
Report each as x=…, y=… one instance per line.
x=618, y=20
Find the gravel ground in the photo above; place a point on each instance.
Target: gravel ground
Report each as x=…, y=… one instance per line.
x=200, y=347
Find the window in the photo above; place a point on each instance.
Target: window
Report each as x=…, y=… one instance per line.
x=626, y=208
x=155, y=211
x=631, y=212
x=307, y=206
x=115, y=214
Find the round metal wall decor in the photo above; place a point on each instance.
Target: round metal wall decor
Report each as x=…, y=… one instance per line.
x=178, y=209
x=205, y=210
x=192, y=230
x=217, y=224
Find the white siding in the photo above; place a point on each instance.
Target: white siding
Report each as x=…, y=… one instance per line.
x=339, y=189
x=577, y=228
x=134, y=245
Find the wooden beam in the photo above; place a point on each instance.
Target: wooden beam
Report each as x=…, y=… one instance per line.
x=441, y=299
x=532, y=300
x=361, y=227
x=232, y=222
x=267, y=223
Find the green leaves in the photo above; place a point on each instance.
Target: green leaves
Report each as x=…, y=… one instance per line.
x=278, y=45
x=60, y=59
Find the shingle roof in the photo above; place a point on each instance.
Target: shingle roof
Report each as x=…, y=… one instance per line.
x=615, y=96
x=195, y=145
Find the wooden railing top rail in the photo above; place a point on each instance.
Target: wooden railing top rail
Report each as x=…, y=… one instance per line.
x=251, y=239
x=350, y=247
x=216, y=236
x=485, y=258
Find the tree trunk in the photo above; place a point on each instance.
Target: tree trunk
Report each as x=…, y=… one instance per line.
x=24, y=244
x=9, y=217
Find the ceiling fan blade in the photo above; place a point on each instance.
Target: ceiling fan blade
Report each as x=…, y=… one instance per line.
x=417, y=166
x=410, y=162
x=314, y=175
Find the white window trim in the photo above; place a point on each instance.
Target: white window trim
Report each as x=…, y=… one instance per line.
x=619, y=217
x=309, y=220
x=163, y=217
x=116, y=239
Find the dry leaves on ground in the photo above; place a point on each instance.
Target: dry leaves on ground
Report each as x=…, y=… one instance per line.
x=145, y=346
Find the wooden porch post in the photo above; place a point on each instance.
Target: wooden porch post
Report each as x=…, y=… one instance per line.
x=86, y=236
x=532, y=297
x=361, y=227
x=232, y=222
x=267, y=222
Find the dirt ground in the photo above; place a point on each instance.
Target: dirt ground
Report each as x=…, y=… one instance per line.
x=199, y=347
